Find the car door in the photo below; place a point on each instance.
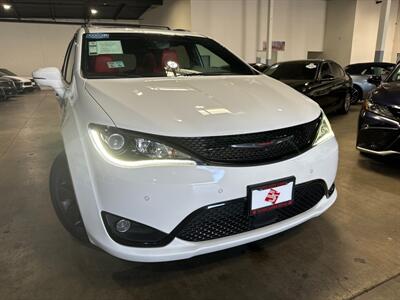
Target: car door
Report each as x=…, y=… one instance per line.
x=339, y=87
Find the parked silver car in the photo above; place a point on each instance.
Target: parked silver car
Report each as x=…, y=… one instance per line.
x=365, y=74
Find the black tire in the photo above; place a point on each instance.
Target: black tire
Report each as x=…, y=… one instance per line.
x=63, y=198
x=345, y=104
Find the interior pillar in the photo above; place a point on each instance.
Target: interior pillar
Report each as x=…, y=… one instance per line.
x=382, y=30
x=268, y=48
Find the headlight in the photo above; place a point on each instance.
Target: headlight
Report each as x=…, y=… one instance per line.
x=378, y=109
x=325, y=131
x=129, y=149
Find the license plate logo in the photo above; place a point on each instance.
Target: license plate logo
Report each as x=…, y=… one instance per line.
x=273, y=196
x=269, y=196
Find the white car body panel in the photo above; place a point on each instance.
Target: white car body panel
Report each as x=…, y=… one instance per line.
x=161, y=197
x=206, y=106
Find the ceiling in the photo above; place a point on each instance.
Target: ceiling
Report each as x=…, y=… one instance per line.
x=75, y=9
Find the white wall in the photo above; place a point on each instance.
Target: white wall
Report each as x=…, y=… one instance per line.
x=366, y=29
x=236, y=24
x=224, y=20
x=339, y=30
x=173, y=13
x=301, y=24
x=26, y=47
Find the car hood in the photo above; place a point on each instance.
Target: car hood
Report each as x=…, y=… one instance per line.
x=388, y=93
x=23, y=79
x=202, y=106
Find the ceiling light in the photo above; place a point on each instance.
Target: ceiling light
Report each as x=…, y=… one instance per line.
x=93, y=11
x=6, y=6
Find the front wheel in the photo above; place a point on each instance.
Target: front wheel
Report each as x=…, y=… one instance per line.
x=345, y=104
x=63, y=198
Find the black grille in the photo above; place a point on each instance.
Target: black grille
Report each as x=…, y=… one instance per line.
x=233, y=217
x=252, y=148
x=377, y=139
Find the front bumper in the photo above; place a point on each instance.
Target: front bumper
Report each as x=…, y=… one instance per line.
x=180, y=249
x=377, y=134
x=162, y=197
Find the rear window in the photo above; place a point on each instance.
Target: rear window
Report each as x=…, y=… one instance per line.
x=302, y=70
x=149, y=55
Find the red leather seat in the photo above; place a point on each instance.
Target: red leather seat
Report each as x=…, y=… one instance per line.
x=100, y=64
x=168, y=55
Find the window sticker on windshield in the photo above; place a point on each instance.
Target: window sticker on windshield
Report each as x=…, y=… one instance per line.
x=92, y=48
x=105, y=47
x=109, y=47
x=274, y=66
x=311, y=66
x=97, y=36
x=115, y=64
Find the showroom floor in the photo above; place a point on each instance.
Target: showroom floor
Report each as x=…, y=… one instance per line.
x=352, y=251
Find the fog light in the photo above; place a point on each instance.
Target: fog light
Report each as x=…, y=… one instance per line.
x=131, y=233
x=123, y=225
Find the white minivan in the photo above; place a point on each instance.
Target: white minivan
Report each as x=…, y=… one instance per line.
x=175, y=147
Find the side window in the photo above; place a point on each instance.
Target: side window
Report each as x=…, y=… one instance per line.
x=325, y=71
x=337, y=70
x=68, y=67
x=210, y=60
x=380, y=71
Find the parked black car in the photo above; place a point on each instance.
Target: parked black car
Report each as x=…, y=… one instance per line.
x=324, y=81
x=379, y=121
x=361, y=72
x=8, y=87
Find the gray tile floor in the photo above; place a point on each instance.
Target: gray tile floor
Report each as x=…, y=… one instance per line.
x=352, y=251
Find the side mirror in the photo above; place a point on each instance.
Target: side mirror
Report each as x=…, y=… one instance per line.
x=375, y=79
x=50, y=77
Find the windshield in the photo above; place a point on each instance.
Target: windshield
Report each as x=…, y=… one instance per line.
x=5, y=72
x=370, y=69
x=303, y=70
x=156, y=55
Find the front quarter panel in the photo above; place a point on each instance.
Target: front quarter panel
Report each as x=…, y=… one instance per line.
x=79, y=111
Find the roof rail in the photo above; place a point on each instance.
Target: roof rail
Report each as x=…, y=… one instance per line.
x=126, y=25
